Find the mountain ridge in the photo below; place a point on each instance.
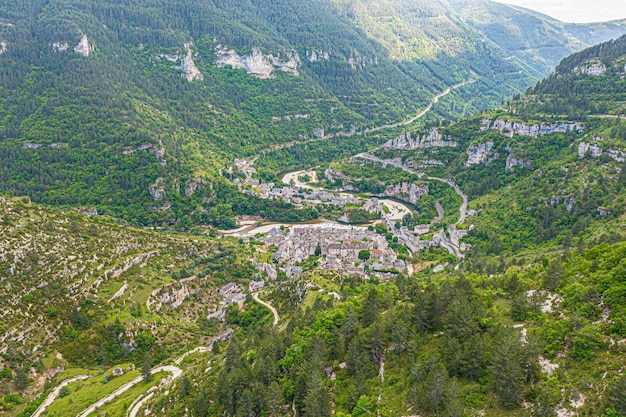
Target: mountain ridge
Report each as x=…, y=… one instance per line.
x=141, y=58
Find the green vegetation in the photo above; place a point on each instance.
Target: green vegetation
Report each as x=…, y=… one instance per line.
x=100, y=131
x=446, y=344
x=530, y=320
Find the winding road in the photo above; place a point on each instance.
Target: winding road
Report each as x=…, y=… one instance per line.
x=457, y=189
x=440, y=212
x=55, y=393
x=370, y=130
x=174, y=370
x=139, y=402
x=423, y=112
x=198, y=349
x=263, y=303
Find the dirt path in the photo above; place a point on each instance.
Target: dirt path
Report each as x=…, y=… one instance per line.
x=263, y=303
x=55, y=393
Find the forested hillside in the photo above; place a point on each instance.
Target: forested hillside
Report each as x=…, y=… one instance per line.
x=527, y=319
x=133, y=108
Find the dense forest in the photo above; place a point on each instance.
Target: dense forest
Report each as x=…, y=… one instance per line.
x=99, y=130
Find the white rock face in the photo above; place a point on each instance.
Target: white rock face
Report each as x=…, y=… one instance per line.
x=60, y=46
x=171, y=58
x=3, y=47
x=192, y=186
x=433, y=139
x=84, y=48
x=595, y=69
x=510, y=128
x=156, y=190
x=547, y=367
x=359, y=61
x=479, y=154
x=257, y=64
x=585, y=148
x=512, y=162
x=191, y=72
x=317, y=55
x=408, y=190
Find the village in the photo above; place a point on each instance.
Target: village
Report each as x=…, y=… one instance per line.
x=348, y=249
x=354, y=250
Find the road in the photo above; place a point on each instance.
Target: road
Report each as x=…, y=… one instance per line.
x=440, y=212
x=457, y=189
x=607, y=116
x=423, y=112
x=136, y=406
x=370, y=130
x=174, y=370
x=294, y=176
x=263, y=303
x=55, y=393
x=449, y=246
x=198, y=349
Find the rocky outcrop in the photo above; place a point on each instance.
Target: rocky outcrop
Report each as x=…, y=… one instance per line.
x=316, y=55
x=359, y=61
x=512, y=162
x=595, y=151
x=60, y=46
x=407, y=191
x=617, y=155
x=510, y=128
x=192, y=186
x=430, y=140
x=591, y=68
x=332, y=175
x=585, y=148
x=480, y=154
x=115, y=273
x=290, y=117
x=171, y=295
x=157, y=190
x=84, y=48
x=257, y=64
x=4, y=46
x=190, y=71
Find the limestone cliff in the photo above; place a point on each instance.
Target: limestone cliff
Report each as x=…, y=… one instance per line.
x=430, y=140
x=407, y=191
x=190, y=71
x=479, y=154
x=257, y=64
x=84, y=48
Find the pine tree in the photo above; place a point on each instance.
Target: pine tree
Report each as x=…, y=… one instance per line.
x=146, y=367
x=21, y=379
x=317, y=399
x=506, y=368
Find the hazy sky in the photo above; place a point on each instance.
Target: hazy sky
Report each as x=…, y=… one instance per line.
x=576, y=11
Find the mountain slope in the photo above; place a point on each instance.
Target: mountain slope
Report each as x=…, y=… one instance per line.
x=531, y=321
x=134, y=108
